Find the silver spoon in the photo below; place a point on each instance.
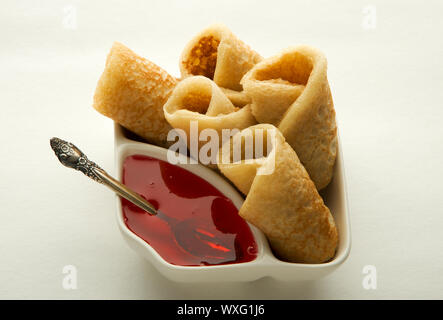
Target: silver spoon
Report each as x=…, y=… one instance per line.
x=188, y=234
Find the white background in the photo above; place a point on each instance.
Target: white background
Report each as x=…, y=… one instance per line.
x=387, y=87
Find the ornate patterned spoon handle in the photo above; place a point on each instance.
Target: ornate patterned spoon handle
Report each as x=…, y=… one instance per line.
x=71, y=156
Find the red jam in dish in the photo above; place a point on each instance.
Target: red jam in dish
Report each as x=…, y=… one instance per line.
x=196, y=224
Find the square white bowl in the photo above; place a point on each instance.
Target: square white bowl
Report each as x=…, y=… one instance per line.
x=266, y=264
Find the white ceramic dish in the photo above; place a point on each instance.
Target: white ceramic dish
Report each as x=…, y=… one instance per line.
x=266, y=264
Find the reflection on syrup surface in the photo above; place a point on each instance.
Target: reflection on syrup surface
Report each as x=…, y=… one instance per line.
x=196, y=224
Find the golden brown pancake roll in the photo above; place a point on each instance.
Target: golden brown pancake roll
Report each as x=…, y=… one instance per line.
x=219, y=55
x=291, y=91
x=199, y=99
x=132, y=92
x=281, y=200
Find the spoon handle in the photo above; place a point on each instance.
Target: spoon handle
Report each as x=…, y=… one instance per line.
x=71, y=156
x=124, y=191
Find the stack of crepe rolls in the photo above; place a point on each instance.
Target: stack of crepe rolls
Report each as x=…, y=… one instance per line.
x=132, y=92
x=219, y=55
x=227, y=86
x=200, y=101
x=281, y=199
x=291, y=91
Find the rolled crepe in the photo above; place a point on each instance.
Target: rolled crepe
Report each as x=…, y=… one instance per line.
x=199, y=99
x=219, y=55
x=281, y=200
x=291, y=91
x=132, y=92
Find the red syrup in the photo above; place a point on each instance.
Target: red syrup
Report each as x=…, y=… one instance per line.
x=196, y=225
